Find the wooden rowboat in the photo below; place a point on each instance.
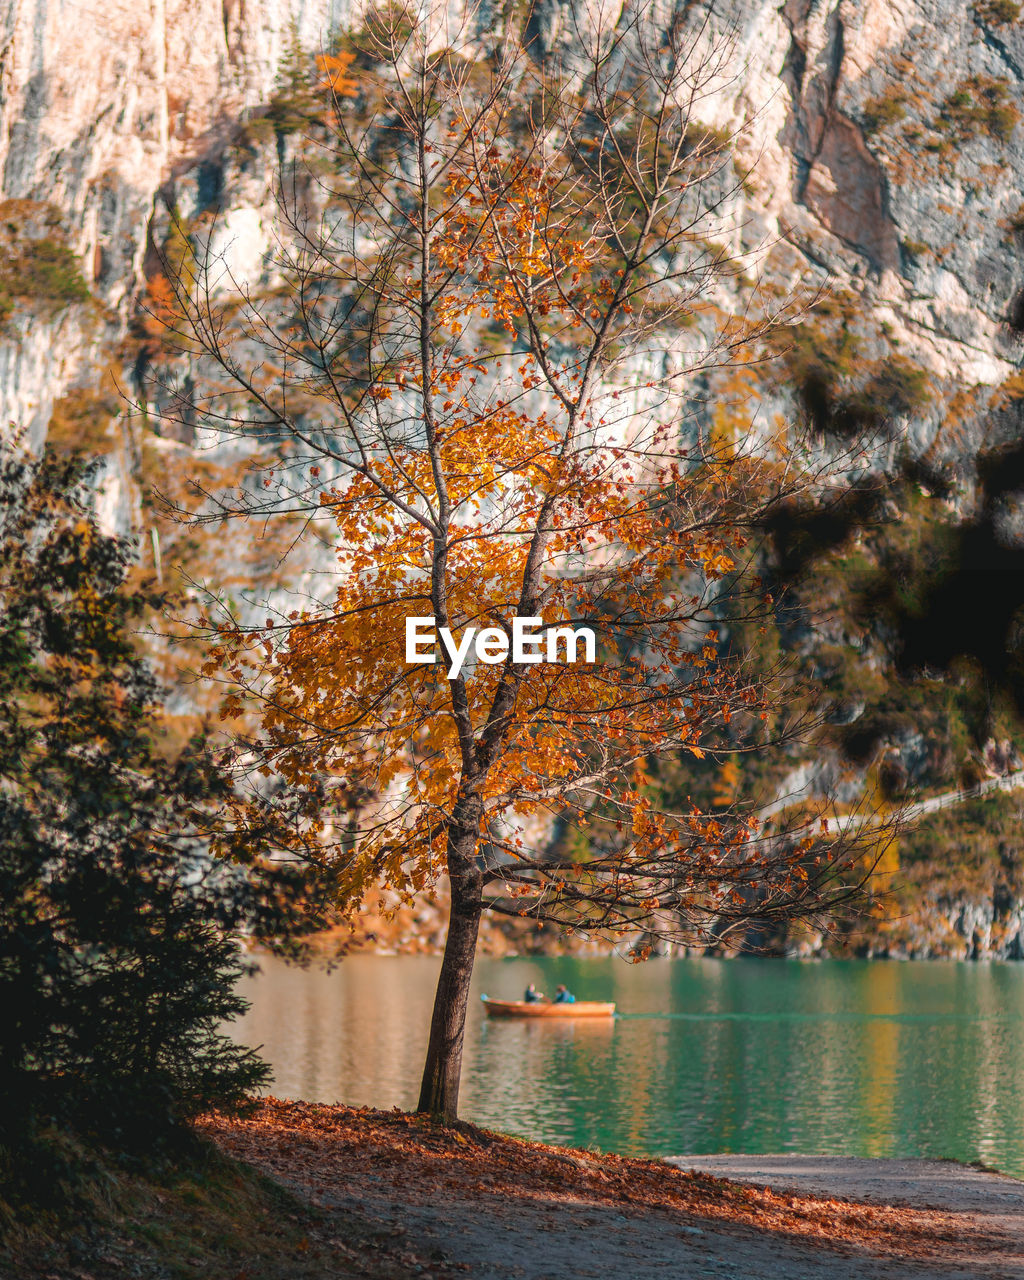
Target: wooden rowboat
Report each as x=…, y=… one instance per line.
x=547, y=1009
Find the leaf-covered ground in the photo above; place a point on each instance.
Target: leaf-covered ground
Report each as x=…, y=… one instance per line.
x=298, y=1191
x=466, y=1201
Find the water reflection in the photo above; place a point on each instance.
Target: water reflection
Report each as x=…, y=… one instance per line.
x=839, y=1057
x=353, y=1035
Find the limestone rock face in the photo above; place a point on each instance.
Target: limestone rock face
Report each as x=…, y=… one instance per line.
x=882, y=138
x=102, y=103
x=880, y=143
x=100, y=95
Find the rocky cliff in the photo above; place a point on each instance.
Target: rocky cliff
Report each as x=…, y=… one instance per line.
x=882, y=141
x=881, y=148
x=102, y=105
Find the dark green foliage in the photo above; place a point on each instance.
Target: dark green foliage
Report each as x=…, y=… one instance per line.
x=997, y=13
x=885, y=110
x=985, y=834
x=895, y=386
x=389, y=26
x=980, y=105
x=43, y=273
x=308, y=90
x=118, y=956
x=916, y=248
x=880, y=587
x=867, y=595
x=843, y=391
x=293, y=104
x=1015, y=222
x=295, y=107
x=621, y=156
x=75, y=1210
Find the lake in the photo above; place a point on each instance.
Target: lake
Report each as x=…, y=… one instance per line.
x=867, y=1058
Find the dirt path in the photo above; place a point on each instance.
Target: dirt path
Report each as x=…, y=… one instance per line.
x=925, y=1184
x=572, y=1239
x=989, y=1206
x=467, y=1202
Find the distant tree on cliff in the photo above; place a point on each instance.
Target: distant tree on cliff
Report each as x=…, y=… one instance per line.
x=118, y=937
x=473, y=385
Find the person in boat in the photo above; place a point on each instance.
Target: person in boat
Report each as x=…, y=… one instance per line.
x=563, y=995
x=532, y=996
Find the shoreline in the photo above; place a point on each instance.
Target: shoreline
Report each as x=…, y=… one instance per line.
x=486, y=1205
x=332, y=947
x=301, y=1191
x=926, y=1182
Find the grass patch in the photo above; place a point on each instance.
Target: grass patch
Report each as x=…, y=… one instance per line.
x=38, y=270
x=81, y=420
x=842, y=390
x=68, y=1209
x=980, y=105
x=1014, y=223
x=997, y=13
x=977, y=843
x=887, y=109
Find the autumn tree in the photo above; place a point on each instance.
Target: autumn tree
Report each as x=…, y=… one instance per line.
x=473, y=378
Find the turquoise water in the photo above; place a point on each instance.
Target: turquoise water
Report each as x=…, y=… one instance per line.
x=839, y=1057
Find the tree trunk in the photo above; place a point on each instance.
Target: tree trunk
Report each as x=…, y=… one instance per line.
x=439, y=1092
